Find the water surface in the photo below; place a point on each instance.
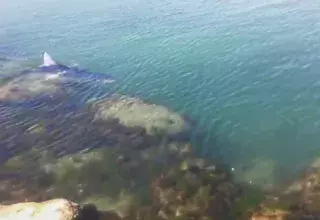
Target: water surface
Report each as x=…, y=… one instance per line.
x=246, y=71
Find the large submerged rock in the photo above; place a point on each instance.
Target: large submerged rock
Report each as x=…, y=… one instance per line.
x=133, y=112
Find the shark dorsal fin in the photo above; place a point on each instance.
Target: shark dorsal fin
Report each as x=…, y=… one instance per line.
x=47, y=60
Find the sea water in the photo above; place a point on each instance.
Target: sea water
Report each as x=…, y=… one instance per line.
x=247, y=71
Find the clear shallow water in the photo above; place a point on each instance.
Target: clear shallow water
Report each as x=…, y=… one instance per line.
x=246, y=71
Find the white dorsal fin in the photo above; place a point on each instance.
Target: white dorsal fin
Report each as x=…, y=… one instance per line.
x=47, y=60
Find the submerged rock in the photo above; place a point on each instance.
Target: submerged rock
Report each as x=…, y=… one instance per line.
x=194, y=189
x=133, y=112
x=116, y=178
x=276, y=212
x=270, y=214
x=139, y=188
x=66, y=128
x=304, y=194
x=295, y=201
x=29, y=86
x=56, y=209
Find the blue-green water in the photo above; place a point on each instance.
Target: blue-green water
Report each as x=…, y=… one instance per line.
x=247, y=71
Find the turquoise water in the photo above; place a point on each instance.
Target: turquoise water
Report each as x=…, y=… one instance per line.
x=247, y=71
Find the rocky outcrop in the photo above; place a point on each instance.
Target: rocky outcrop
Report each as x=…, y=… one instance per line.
x=303, y=195
x=296, y=201
x=133, y=112
x=56, y=209
x=195, y=189
x=278, y=213
x=264, y=213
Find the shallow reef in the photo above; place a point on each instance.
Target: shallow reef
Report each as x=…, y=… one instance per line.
x=114, y=162
x=122, y=158
x=113, y=166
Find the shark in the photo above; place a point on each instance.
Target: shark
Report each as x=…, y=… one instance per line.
x=54, y=70
x=49, y=79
